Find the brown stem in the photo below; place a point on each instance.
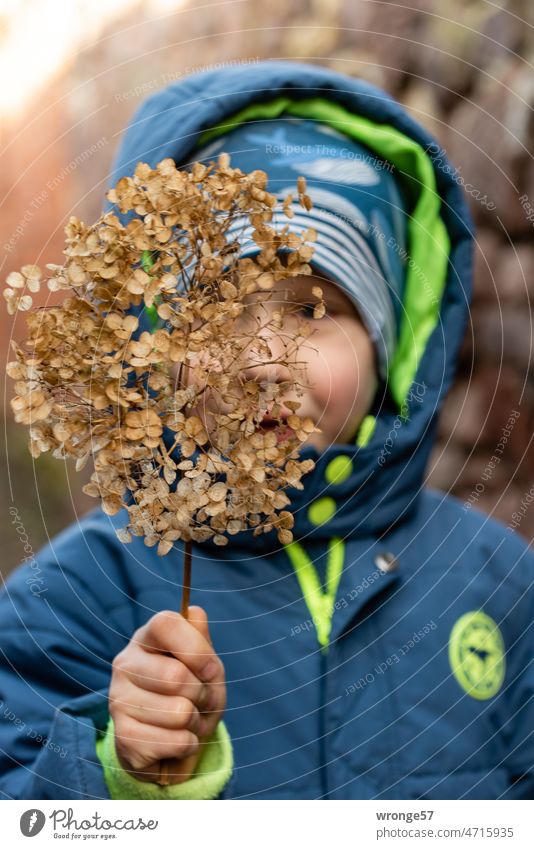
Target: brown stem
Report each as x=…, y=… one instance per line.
x=181, y=770
x=186, y=589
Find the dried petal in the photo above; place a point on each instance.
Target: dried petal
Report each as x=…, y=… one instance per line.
x=217, y=492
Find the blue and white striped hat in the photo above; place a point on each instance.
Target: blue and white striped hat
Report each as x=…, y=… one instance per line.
x=358, y=212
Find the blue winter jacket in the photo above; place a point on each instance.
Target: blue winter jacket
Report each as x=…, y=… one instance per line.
x=387, y=654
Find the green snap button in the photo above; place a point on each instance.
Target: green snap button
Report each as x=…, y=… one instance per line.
x=321, y=510
x=338, y=469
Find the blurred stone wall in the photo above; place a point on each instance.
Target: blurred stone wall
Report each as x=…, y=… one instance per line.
x=462, y=69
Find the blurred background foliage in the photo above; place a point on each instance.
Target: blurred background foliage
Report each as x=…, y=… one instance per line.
x=75, y=73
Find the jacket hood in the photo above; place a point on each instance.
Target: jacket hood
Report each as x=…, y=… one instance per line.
x=367, y=487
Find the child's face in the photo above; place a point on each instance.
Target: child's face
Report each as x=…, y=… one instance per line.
x=336, y=364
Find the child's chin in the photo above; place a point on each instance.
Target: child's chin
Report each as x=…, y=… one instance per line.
x=314, y=445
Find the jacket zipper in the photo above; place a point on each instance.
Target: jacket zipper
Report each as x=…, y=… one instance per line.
x=322, y=723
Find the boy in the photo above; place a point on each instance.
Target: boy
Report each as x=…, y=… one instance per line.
x=386, y=653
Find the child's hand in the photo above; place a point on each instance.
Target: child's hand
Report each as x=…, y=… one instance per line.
x=164, y=697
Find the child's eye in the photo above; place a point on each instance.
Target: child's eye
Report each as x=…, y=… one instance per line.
x=307, y=310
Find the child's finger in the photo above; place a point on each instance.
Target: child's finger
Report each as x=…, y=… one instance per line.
x=140, y=746
x=168, y=631
x=161, y=673
x=198, y=618
x=174, y=712
x=215, y=710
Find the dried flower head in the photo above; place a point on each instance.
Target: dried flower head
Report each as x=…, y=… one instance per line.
x=170, y=419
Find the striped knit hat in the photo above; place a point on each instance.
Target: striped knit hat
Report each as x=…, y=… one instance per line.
x=358, y=212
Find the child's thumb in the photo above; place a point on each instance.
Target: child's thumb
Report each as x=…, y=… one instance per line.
x=198, y=618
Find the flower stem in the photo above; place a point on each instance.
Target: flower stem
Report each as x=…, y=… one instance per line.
x=183, y=768
x=186, y=588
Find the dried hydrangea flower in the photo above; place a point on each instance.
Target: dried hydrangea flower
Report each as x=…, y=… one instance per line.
x=91, y=386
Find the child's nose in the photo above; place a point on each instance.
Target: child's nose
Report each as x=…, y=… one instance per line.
x=264, y=373
x=267, y=364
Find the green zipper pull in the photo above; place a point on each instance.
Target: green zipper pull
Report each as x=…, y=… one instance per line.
x=319, y=603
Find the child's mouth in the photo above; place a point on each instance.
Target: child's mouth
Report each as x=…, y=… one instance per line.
x=281, y=429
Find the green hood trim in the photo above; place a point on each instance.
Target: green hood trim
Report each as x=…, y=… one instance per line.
x=428, y=239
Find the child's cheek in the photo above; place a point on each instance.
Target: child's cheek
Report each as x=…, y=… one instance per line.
x=342, y=382
x=339, y=370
